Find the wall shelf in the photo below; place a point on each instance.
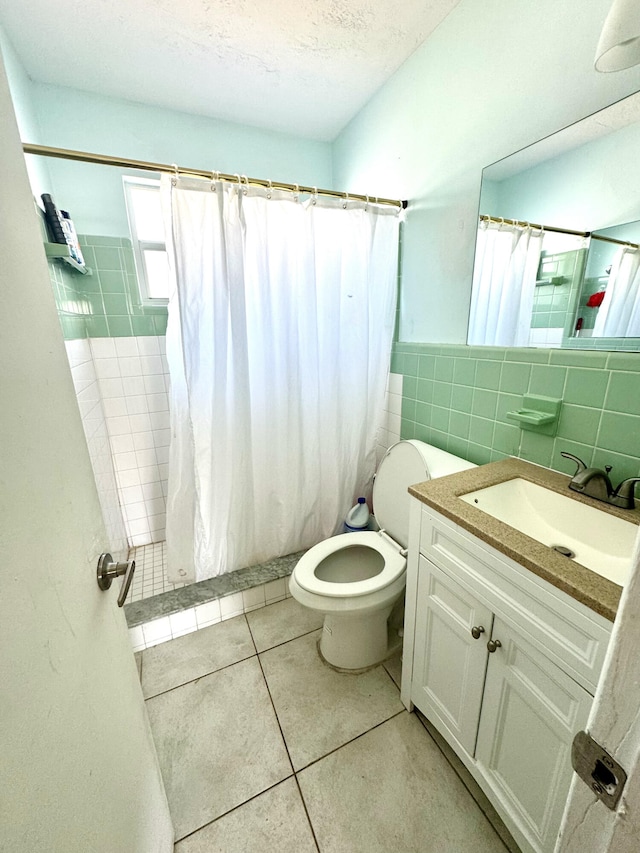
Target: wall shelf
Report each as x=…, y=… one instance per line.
x=538, y=414
x=62, y=252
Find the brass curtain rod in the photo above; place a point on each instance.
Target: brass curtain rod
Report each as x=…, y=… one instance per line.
x=499, y=220
x=146, y=166
x=613, y=240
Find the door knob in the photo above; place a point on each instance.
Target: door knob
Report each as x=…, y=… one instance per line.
x=108, y=570
x=476, y=631
x=492, y=645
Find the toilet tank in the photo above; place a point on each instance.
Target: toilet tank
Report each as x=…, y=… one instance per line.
x=406, y=463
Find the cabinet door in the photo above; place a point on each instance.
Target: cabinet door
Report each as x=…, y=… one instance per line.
x=449, y=664
x=530, y=713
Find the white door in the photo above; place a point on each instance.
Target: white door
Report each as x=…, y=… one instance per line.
x=78, y=769
x=531, y=711
x=449, y=660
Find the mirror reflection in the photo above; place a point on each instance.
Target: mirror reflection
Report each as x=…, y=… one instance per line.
x=557, y=262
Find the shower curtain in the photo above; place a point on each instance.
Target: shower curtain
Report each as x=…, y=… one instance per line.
x=504, y=278
x=619, y=314
x=279, y=336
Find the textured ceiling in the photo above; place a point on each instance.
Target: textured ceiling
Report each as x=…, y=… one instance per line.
x=298, y=66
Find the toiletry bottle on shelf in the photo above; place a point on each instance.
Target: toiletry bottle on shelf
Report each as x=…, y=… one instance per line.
x=357, y=518
x=53, y=219
x=72, y=237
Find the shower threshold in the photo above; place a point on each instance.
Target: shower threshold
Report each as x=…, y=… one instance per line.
x=160, y=616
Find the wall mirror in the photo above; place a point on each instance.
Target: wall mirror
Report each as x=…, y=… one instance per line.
x=557, y=260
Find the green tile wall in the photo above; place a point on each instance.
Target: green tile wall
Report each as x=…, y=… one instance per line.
x=106, y=303
x=457, y=398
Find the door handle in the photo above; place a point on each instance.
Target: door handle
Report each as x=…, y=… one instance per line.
x=476, y=631
x=492, y=645
x=108, y=570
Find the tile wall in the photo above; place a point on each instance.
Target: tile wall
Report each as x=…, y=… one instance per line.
x=457, y=398
x=133, y=379
x=95, y=429
x=390, y=431
x=107, y=302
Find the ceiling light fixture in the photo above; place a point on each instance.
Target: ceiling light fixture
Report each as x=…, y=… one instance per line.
x=619, y=45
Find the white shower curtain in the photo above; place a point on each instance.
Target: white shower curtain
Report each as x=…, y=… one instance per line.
x=504, y=278
x=619, y=314
x=279, y=336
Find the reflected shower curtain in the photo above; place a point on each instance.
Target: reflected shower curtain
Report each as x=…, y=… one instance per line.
x=619, y=314
x=279, y=337
x=504, y=278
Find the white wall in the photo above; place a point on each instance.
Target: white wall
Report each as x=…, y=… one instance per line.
x=22, y=96
x=494, y=77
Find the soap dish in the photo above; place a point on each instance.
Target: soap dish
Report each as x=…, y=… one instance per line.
x=538, y=414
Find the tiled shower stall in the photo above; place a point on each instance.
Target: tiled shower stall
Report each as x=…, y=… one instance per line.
x=116, y=349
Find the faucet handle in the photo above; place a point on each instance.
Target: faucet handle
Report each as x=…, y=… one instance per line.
x=578, y=461
x=624, y=494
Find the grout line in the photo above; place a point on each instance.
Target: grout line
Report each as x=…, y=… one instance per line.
x=284, y=642
x=461, y=777
x=286, y=746
x=198, y=677
x=306, y=811
x=357, y=737
x=235, y=808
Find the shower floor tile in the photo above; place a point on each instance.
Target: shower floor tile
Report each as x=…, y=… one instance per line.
x=150, y=577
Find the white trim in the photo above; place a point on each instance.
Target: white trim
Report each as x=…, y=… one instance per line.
x=140, y=246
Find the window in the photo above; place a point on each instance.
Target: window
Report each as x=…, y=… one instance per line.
x=147, y=234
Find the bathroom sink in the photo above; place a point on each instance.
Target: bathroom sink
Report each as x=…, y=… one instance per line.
x=593, y=538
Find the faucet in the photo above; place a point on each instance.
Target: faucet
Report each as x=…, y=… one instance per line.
x=595, y=483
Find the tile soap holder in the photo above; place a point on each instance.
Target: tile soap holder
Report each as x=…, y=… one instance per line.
x=538, y=414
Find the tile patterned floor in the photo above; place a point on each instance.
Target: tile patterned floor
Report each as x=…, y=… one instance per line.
x=264, y=747
x=149, y=578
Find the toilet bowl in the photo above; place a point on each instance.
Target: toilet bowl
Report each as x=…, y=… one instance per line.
x=355, y=579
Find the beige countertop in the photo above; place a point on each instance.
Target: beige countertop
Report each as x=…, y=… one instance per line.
x=441, y=494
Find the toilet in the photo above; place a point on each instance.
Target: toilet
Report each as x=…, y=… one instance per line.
x=355, y=579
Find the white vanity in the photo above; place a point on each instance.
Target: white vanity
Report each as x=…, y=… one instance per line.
x=497, y=655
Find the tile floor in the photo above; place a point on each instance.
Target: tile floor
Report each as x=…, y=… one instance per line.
x=150, y=577
x=265, y=748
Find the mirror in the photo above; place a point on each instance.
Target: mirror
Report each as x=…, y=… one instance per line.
x=575, y=282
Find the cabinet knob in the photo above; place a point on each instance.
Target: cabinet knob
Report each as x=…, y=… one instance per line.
x=492, y=645
x=476, y=631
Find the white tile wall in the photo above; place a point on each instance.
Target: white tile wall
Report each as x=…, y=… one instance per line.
x=95, y=429
x=390, y=432
x=134, y=381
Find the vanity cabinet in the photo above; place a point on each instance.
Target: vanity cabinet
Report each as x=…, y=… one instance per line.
x=504, y=665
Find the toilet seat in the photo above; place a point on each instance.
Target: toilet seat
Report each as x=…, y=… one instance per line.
x=394, y=565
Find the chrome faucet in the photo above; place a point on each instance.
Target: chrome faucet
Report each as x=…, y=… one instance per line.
x=595, y=483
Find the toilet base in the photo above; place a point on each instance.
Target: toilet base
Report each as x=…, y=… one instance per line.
x=356, y=642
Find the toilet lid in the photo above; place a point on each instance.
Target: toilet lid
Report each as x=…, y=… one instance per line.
x=402, y=466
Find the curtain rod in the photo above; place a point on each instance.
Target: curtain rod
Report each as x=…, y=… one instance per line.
x=146, y=166
x=499, y=219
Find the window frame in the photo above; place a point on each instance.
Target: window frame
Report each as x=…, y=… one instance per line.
x=140, y=246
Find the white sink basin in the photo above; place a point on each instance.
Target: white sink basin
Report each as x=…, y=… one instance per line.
x=600, y=541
